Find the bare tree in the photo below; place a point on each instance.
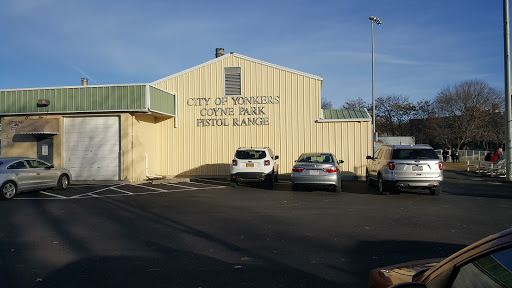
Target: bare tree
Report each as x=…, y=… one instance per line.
x=393, y=114
x=356, y=103
x=463, y=112
x=326, y=104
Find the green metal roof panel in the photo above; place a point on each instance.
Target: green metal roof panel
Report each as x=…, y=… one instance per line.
x=74, y=99
x=162, y=101
x=357, y=113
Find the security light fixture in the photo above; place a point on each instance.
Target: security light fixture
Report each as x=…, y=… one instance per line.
x=375, y=19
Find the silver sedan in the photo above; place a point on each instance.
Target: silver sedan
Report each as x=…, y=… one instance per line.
x=28, y=174
x=317, y=170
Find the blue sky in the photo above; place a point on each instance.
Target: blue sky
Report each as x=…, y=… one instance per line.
x=421, y=47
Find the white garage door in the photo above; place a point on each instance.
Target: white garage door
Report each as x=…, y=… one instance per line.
x=91, y=147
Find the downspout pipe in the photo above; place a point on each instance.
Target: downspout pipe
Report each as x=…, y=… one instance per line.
x=152, y=177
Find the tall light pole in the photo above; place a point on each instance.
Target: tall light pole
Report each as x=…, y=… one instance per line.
x=508, y=93
x=376, y=20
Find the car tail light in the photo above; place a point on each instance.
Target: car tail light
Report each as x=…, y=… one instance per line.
x=267, y=162
x=331, y=170
x=440, y=165
x=298, y=170
x=235, y=163
x=391, y=165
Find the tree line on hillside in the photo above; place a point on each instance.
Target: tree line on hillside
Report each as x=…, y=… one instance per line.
x=466, y=115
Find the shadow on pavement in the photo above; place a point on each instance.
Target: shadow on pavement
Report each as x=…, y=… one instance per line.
x=174, y=268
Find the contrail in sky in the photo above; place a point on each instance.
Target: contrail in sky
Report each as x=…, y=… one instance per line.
x=84, y=74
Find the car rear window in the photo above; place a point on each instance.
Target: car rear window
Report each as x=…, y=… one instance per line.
x=402, y=154
x=315, y=158
x=250, y=154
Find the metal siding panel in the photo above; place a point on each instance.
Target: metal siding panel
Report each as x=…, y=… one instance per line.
x=162, y=101
x=292, y=130
x=76, y=99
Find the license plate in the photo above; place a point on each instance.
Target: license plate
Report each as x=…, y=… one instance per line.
x=249, y=165
x=314, y=172
x=417, y=168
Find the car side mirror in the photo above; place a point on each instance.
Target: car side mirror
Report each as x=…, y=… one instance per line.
x=369, y=157
x=50, y=166
x=409, y=285
x=341, y=161
x=276, y=157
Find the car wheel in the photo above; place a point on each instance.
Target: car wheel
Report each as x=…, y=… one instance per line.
x=383, y=187
x=8, y=189
x=435, y=191
x=368, y=180
x=63, y=182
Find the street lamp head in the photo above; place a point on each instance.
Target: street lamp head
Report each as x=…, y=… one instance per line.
x=375, y=19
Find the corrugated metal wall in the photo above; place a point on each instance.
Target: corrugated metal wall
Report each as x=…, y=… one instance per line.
x=76, y=99
x=292, y=130
x=162, y=101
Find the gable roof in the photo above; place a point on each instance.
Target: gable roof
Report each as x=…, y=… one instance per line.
x=241, y=57
x=341, y=115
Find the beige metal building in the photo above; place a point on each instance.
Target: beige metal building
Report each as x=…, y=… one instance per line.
x=187, y=124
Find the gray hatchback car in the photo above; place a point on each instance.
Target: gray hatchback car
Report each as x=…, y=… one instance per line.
x=317, y=170
x=28, y=174
x=405, y=166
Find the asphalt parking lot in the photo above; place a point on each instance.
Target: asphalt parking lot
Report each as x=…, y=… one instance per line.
x=205, y=233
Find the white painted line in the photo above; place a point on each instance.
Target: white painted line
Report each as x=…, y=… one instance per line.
x=210, y=185
x=121, y=191
x=148, y=187
x=55, y=195
x=40, y=198
x=88, y=185
x=225, y=182
x=189, y=188
x=135, y=194
x=91, y=193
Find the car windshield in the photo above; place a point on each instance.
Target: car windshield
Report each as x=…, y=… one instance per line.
x=402, y=154
x=315, y=158
x=250, y=154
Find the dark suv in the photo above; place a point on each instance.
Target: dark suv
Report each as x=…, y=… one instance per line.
x=405, y=166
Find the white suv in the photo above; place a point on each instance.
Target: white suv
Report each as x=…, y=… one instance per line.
x=405, y=166
x=254, y=165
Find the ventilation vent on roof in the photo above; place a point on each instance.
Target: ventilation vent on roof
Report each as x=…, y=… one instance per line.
x=233, y=81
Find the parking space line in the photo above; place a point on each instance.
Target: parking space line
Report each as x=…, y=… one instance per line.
x=91, y=193
x=189, y=188
x=87, y=185
x=225, y=182
x=55, y=195
x=130, y=193
x=39, y=198
x=206, y=184
x=148, y=187
x=143, y=193
x=124, y=193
